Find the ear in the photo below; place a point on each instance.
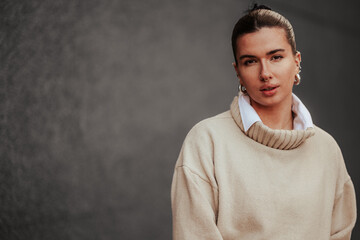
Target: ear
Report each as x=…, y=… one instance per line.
x=236, y=70
x=297, y=61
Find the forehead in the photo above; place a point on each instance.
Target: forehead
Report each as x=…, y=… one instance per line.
x=262, y=41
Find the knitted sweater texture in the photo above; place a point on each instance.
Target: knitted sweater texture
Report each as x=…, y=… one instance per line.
x=263, y=184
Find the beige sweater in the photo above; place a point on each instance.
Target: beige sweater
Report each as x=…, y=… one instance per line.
x=266, y=184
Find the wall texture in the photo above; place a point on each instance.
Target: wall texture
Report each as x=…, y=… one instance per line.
x=96, y=98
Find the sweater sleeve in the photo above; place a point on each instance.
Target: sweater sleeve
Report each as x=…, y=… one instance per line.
x=193, y=206
x=194, y=191
x=344, y=210
x=344, y=213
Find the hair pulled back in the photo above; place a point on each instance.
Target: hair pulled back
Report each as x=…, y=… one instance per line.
x=257, y=18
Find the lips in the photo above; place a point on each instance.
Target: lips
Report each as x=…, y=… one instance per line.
x=268, y=87
x=269, y=90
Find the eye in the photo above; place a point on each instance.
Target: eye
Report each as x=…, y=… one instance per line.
x=276, y=57
x=249, y=62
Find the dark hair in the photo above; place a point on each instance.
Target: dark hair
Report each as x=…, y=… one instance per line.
x=257, y=18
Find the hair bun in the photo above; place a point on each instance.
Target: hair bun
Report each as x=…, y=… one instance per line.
x=257, y=7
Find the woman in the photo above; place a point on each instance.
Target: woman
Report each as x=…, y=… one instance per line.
x=262, y=170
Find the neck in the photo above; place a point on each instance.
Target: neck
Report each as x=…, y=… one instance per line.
x=276, y=117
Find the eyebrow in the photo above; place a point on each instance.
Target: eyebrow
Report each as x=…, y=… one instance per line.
x=268, y=53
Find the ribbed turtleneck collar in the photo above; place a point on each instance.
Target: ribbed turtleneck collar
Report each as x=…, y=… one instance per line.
x=274, y=138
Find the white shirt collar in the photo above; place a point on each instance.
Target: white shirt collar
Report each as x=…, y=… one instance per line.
x=249, y=116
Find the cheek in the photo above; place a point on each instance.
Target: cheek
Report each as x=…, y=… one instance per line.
x=288, y=79
x=248, y=76
x=287, y=73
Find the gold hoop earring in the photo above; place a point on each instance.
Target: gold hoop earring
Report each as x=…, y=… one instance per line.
x=297, y=76
x=242, y=88
x=297, y=79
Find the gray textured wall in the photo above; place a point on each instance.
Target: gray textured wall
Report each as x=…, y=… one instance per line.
x=97, y=97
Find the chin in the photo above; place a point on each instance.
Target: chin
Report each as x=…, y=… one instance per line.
x=269, y=102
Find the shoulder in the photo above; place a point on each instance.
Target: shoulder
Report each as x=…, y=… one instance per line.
x=204, y=135
x=324, y=138
x=197, y=151
x=327, y=146
x=212, y=125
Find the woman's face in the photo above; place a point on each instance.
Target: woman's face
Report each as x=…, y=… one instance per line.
x=267, y=67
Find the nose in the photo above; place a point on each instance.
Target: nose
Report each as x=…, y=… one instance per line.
x=265, y=73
